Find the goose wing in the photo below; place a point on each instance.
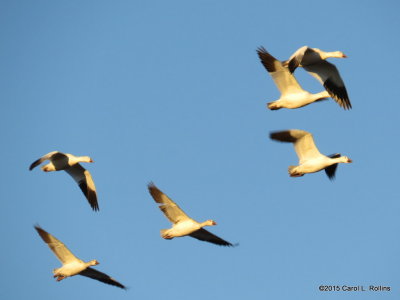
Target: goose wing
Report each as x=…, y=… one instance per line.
x=42, y=159
x=94, y=274
x=284, y=80
x=303, y=143
x=204, y=235
x=58, y=248
x=295, y=60
x=170, y=209
x=83, y=178
x=331, y=170
x=329, y=76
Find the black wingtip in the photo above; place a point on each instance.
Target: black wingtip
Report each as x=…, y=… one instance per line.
x=266, y=59
x=34, y=164
x=331, y=177
x=95, y=207
x=151, y=184
x=90, y=195
x=331, y=170
x=339, y=93
x=117, y=284
x=282, y=136
x=152, y=188
x=229, y=244
x=92, y=198
x=261, y=49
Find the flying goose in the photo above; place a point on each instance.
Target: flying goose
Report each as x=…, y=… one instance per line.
x=70, y=163
x=292, y=94
x=313, y=60
x=310, y=159
x=71, y=265
x=183, y=225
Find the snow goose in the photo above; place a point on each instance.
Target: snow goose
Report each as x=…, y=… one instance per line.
x=70, y=163
x=313, y=60
x=71, y=265
x=292, y=94
x=183, y=225
x=310, y=159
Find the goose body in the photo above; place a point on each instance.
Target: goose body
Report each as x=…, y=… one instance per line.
x=59, y=161
x=71, y=269
x=313, y=60
x=310, y=159
x=182, y=225
x=292, y=94
x=71, y=265
x=182, y=228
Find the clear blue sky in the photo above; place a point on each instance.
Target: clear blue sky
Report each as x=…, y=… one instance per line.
x=173, y=92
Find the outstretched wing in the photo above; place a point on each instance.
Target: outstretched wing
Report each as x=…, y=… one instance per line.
x=204, y=235
x=303, y=142
x=83, y=178
x=284, y=80
x=42, y=159
x=329, y=76
x=94, y=274
x=295, y=60
x=170, y=209
x=331, y=170
x=58, y=248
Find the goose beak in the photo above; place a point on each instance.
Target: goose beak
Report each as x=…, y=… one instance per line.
x=350, y=160
x=91, y=160
x=344, y=55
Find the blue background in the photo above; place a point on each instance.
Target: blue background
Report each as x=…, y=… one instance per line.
x=173, y=92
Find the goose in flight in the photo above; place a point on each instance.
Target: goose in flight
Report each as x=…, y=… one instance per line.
x=313, y=60
x=183, y=225
x=310, y=159
x=70, y=163
x=292, y=94
x=71, y=265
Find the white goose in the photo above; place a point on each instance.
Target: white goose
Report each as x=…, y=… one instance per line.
x=292, y=94
x=310, y=159
x=71, y=264
x=313, y=60
x=183, y=225
x=70, y=163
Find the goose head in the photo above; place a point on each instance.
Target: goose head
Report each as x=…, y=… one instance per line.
x=346, y=160
x=209, y=223
x=86, y=159
x=93, y=262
